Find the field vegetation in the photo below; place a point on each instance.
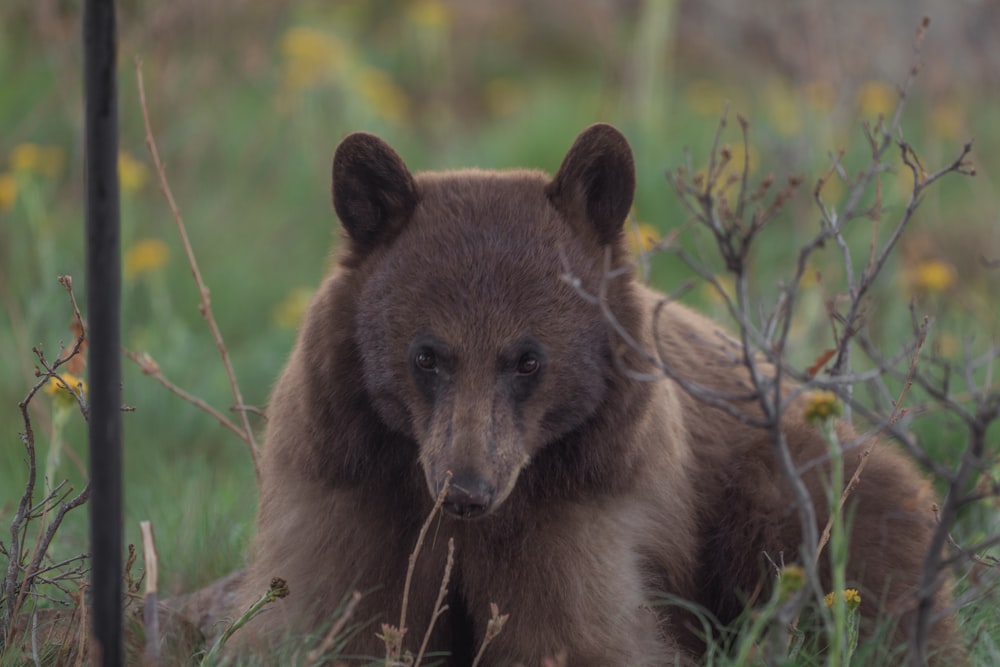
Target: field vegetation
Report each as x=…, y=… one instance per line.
x=247, y=101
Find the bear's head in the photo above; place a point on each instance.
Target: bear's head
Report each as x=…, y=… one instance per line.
x=484, y=303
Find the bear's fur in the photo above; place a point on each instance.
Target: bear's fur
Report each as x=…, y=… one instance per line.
x=455, y=336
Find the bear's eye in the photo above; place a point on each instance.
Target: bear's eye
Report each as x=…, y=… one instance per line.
x=425, y=360
x=528, y=364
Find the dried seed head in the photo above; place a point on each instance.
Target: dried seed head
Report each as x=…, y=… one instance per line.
x=279, y=588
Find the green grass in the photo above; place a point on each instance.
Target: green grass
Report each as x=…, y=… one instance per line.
x=248, y=158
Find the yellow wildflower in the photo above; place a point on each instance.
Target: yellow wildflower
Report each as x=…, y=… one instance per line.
x=25, y=157
x=430, y=14
x=821, y=405
x=791, y=579
x=385, y=97
x=66, y=389
x=145, y=256
x=932, y=275
x=877, y=98
x=311, y=57
x=132, y=173
x=851, y=596
x=642, y=237
x=8, y=191
x=32, y=158
x=289, y=312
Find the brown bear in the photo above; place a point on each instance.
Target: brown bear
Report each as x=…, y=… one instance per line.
x=487, y=325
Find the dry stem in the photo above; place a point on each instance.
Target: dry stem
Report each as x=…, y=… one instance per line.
x=150, y=615
x=206, y=304
x=394, y=640
x=705, y=198
x=493, y=628
x=897, y=412
x=20, y=580
x=439, y=606
x=148, y=366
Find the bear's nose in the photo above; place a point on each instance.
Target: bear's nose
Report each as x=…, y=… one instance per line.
x=468, y=497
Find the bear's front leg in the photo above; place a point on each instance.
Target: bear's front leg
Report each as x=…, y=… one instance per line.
x=571, y=580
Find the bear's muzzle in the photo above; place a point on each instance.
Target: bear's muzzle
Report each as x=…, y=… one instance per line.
x=468, y=496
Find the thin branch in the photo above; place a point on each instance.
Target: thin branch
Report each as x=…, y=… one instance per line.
x=150, y=611
x=493, y=628
x=206, y=304
x=60, y=566
x=15, y=586
x=897, y=412
x=439, y=606
x=930, y=580
x=392, y=636
x=149, y=367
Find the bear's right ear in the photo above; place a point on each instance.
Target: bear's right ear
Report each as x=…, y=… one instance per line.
x=596, y=181
x=373, y=191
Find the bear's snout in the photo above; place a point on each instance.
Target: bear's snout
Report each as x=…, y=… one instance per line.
x=468, y=497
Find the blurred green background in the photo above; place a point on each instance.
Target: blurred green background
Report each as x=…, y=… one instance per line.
x=249, y=99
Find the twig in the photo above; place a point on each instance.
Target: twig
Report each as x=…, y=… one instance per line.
x=34, y=637
x=734, y=231
x=880, y=144
x=852, y=483
x=956, y=497
x=394, y=640
x=438, y=608
x=16, y=587
x=150, y=615
x=149, y=367
x=81, y=329
x=206, y=303
x=45, y=540
x=972, y=553
x=61, y=564
x=493, y=628
x=83, y=638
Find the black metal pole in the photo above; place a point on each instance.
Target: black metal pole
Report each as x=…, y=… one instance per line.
x=104, y=315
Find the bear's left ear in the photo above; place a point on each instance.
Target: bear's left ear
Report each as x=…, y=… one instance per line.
x=596, y=181
x=373, y=191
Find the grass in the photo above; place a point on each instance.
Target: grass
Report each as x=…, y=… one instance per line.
x=247, y=122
